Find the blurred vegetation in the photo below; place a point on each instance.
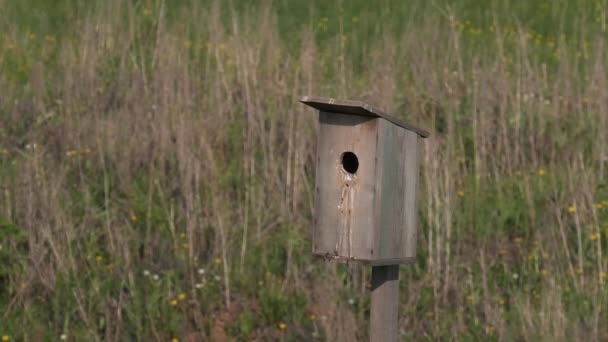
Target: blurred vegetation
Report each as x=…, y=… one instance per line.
x=156, y=167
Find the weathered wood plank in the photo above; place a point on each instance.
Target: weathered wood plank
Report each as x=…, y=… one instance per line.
x=396, y=195
x=344, y=207
x=411, y=170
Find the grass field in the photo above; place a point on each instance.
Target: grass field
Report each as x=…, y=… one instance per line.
x=156, y=167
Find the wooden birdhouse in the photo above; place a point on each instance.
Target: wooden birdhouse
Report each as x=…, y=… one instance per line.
x=366, y=182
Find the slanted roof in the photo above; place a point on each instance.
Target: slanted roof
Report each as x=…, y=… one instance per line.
x=326, y=104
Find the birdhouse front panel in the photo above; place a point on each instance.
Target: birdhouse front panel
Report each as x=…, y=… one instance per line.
x=345, y=186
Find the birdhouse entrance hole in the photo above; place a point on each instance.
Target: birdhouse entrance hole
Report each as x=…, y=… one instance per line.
x=350, y=162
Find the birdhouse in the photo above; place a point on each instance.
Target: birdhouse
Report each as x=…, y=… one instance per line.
x=366, y=182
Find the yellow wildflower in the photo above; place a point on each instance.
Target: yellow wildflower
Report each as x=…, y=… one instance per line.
x=572, y=209
x=181, y=296
x=461, y=193
x=5, y=338
x=133, y=218
x=593, y=236
x=218, y=261
x=175, y=339
x=541, y=172
x=99, y=258
x=173, y=302
x=599, y=206
x=312, y=317
x=282, y=326
x=86, y=151
x=501, y=301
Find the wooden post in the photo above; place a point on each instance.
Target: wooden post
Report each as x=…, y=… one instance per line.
x=384, y=317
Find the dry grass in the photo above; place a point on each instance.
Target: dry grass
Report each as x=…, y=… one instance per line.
x=136, y=146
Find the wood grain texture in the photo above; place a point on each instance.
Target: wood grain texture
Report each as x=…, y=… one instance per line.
x=411, y=171
x=344, y=202
x=397, y=183
x=384, y=315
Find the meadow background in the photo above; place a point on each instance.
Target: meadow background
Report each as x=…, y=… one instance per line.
x=156, y=167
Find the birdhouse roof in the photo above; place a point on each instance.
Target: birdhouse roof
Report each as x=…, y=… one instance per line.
x=326, y=104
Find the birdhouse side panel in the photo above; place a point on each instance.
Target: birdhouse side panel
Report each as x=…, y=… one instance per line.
x=345, y=181
x=397, y=183
x=410, y=207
